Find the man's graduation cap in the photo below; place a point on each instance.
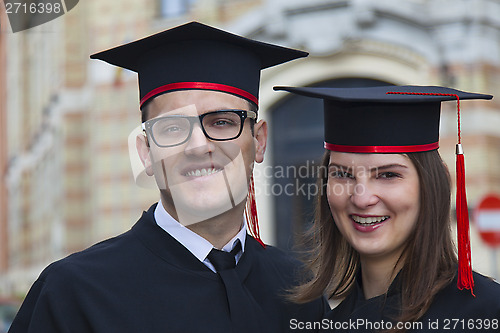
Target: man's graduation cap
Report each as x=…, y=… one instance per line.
x=197, y=56
x=396, y=119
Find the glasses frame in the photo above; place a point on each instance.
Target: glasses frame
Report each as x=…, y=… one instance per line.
x=147, y=126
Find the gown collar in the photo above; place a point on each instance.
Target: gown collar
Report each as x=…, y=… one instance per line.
x=163, y=245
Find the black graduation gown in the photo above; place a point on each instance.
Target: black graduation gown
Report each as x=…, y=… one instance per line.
x=452, y=310
x=145, y=281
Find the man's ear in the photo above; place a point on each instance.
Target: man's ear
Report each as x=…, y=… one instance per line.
x=260, y=132
x=141, y=143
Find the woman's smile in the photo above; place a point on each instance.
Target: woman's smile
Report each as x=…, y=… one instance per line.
x=374, y=200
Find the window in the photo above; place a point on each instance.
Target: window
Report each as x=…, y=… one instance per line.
x=173, y=8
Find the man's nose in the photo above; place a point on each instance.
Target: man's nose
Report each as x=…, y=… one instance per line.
x=198, y=143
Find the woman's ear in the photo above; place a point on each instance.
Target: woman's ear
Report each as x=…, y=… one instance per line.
x=142, y=145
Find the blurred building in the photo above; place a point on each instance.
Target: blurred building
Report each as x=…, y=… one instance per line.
x=33, y=160
x=65, y=120
x=373, y=42
x=3, y=150
x=66, y=179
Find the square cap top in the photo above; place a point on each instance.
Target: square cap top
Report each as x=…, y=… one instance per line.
x=384, y=119
x=197, y=56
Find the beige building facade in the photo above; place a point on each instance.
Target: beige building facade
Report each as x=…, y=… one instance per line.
x=451, y=43
x=67, y=181
x=4, y=246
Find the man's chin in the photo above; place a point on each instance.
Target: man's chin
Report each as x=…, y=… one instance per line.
x=197, y=209
x=191, y=216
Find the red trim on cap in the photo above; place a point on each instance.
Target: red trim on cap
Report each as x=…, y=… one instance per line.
x=199, y=85
x=381, y=149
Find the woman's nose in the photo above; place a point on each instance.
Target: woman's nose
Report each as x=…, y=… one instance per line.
x=364, y=195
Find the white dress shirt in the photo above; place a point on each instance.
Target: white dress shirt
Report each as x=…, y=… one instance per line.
x=197, y=245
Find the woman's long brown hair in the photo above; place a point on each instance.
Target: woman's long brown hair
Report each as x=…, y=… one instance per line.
x=429, y=259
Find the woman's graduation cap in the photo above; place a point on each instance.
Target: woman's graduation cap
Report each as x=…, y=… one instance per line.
x=198, y=56
x=396, y=119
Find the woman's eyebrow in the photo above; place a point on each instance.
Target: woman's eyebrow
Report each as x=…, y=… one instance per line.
x=382, y=167
x=388, y=166
x=338, y=166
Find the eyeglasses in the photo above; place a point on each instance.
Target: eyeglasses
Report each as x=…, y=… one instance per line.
x=221, y=125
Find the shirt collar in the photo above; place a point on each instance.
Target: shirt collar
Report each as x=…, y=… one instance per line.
x=196, y=244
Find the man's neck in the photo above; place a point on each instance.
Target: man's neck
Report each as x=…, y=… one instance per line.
x=218, y=230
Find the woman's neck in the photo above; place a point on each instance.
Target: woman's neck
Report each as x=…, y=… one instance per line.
x=377, y=275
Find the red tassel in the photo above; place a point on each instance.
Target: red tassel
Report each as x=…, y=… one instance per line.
x=251, y=214
x=465, y=279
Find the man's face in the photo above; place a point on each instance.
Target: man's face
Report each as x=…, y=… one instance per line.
x=202, y=178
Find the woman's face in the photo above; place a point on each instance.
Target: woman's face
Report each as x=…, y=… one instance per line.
x=374, y=200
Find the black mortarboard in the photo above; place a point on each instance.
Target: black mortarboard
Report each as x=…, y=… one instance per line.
x=197, y=56
x=391, y=119
x=396, y=119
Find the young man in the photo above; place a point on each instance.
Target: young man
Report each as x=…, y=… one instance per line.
x=188, y=264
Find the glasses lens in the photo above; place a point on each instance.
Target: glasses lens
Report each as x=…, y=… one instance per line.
x=170, y=131
x=222, y=125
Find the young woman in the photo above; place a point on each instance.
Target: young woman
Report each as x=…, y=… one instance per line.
x=382, y=229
